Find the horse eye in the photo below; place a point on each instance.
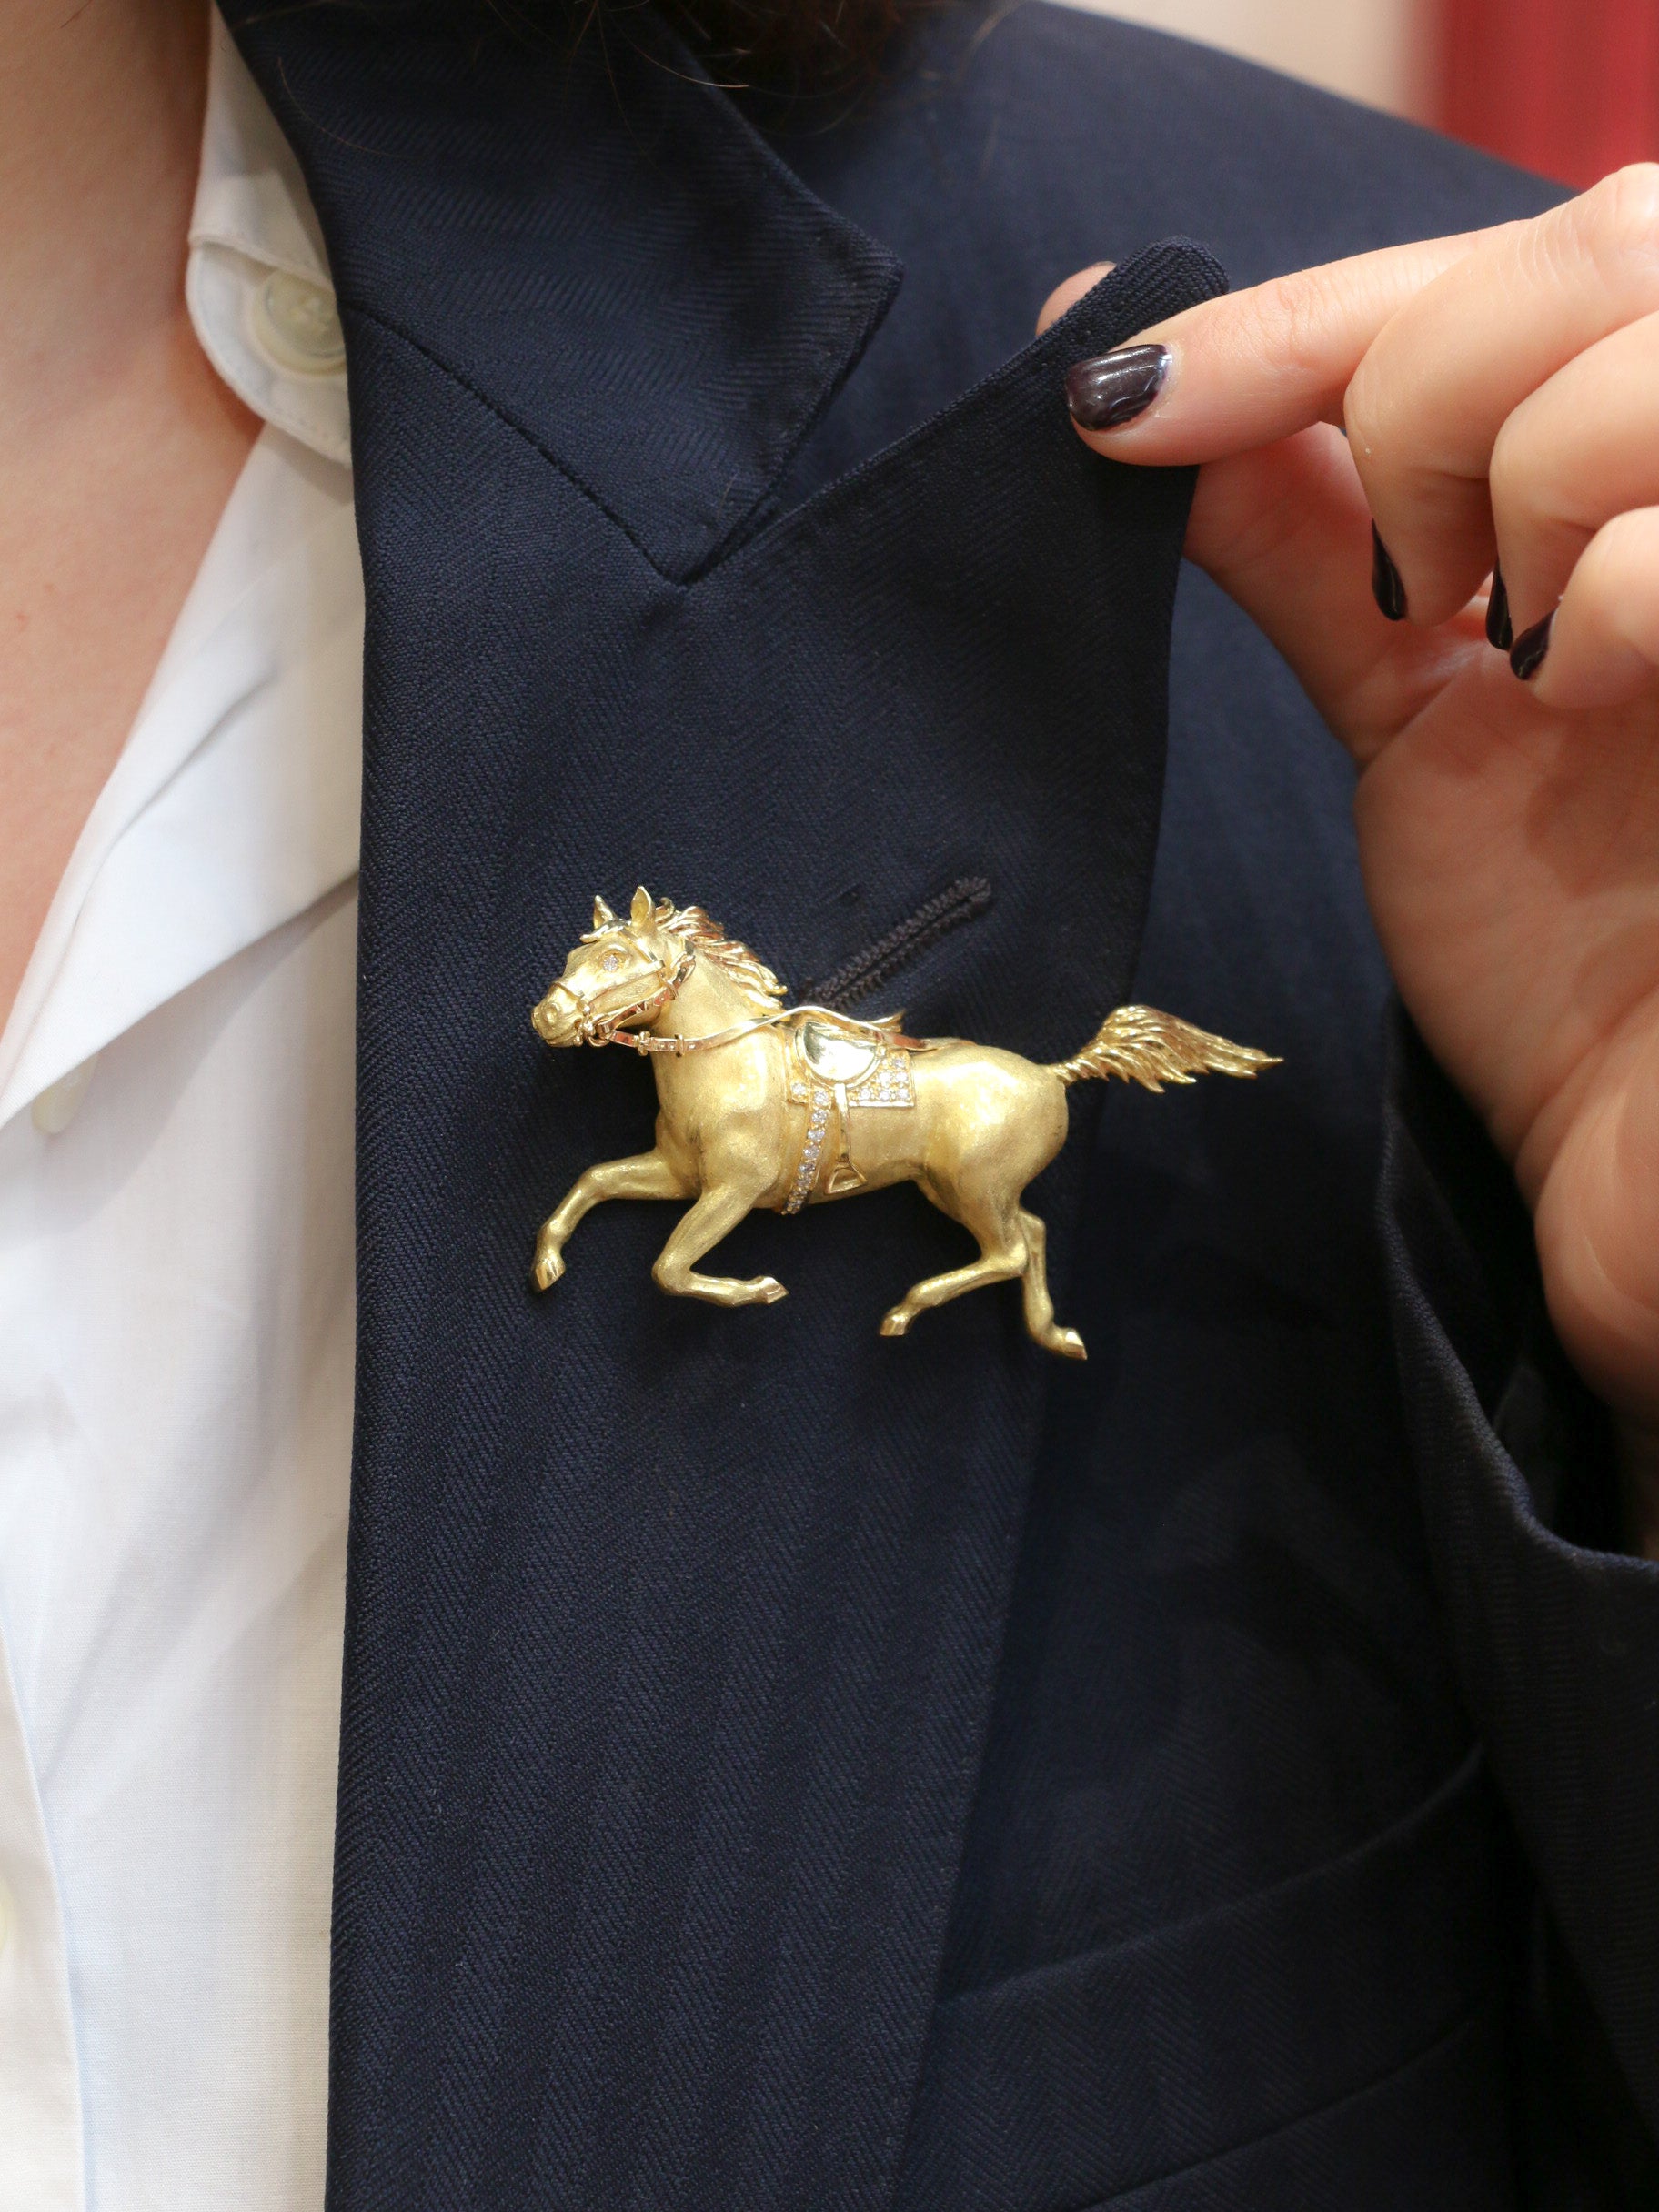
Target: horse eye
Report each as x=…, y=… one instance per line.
x=610, y=962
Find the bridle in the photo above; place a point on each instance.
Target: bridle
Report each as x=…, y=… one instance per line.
x=607, y=1029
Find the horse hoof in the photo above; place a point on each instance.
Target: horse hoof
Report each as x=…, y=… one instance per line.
x=896, y=1323
x=1067, y=1343
x=768, y=1290
x=547, y=1270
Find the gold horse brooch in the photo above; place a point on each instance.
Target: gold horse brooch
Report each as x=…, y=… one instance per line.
x=749, y=1091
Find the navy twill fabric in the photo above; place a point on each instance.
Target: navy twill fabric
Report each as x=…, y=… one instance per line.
x=667, y=362
x=783, y=1769
x=700, y=1623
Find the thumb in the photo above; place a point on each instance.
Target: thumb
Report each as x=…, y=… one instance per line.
x=1281, y=522
x=1066, y=295
x=1286, y=532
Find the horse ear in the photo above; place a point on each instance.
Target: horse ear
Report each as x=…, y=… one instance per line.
x=602, y=915
x=643, y=912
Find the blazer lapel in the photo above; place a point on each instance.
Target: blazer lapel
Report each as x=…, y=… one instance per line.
x=597, y=244
x=671, y=1632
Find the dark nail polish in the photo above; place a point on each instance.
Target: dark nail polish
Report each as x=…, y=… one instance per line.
x=1115, y=388
x=1500, y=630
x=1526, y=655
x=1386, y=588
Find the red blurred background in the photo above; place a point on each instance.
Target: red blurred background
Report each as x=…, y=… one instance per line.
x=1567, y=86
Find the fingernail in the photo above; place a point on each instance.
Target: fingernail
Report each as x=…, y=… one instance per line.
x=1386, y=588
x=1500, y=630
x=1115, y=388
x=1526, y=655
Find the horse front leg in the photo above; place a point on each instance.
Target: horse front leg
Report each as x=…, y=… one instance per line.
x=640, y=1175
x=715, y=1215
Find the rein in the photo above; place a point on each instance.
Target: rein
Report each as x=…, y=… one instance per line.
x=644, y=1043
x=609, y=1031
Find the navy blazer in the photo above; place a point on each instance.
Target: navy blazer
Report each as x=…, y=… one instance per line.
x=784, y=1770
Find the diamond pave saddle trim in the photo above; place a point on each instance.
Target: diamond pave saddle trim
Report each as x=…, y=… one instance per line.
x=828, y=1068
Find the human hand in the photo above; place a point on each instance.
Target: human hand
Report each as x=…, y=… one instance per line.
x=1501, y=396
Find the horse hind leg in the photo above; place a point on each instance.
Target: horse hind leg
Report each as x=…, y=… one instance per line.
x=1034, y=1286
x=1002, y=1258
x=1013, y=1244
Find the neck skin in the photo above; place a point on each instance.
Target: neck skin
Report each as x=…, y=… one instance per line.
x=706, y=1002
x=118, y=445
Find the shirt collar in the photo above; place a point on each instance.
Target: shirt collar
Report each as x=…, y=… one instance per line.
x=234, y=806
x=258, y=281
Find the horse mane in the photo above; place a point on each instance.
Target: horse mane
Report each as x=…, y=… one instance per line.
x=706, y=937
x=710, y=942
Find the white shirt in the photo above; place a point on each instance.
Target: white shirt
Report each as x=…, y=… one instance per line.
x=176, y=1322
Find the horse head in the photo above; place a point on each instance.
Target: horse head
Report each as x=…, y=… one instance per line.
x=618, y=968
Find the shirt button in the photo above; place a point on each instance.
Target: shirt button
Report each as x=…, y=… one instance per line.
x=298, y=324
x=59, y=1102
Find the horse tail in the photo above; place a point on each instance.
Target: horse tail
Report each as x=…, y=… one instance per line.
x=1141, y=1045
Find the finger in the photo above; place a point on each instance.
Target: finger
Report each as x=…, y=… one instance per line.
x=1064, y=296
x=1438, y=345
x=1603, y=641
x=1255, y=366
x=1427, y=403
x=1285, y=529
x=1584, y=447
x=1605, y=1178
